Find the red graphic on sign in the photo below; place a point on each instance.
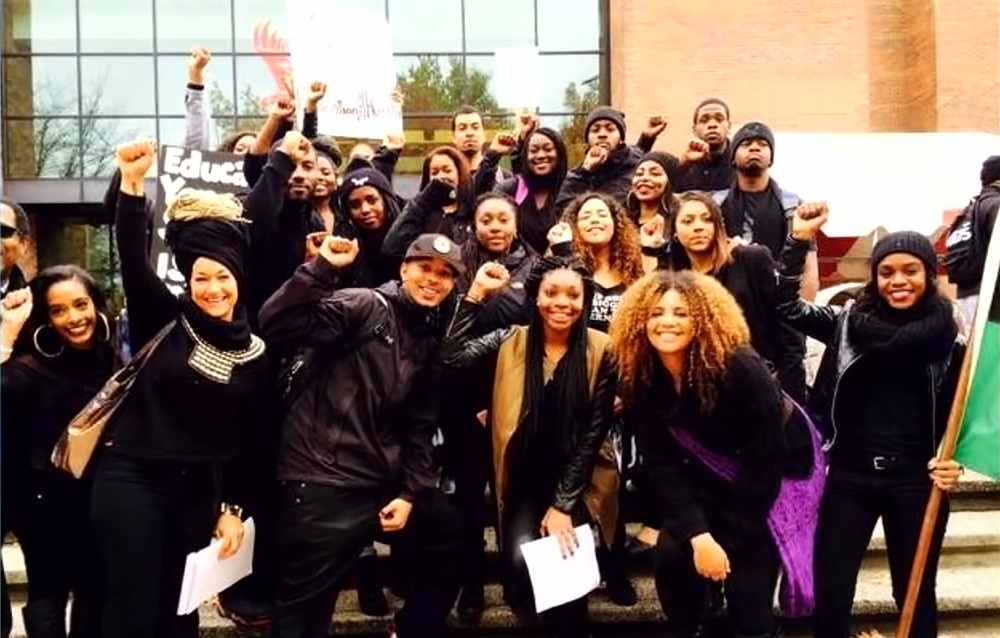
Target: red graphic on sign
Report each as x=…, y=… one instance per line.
x=272, y=48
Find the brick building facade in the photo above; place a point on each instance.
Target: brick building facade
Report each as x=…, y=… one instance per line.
x=810, y=65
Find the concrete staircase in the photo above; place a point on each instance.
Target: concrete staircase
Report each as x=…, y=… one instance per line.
x=968, y=585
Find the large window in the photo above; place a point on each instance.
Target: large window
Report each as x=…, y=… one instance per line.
x=81, y=76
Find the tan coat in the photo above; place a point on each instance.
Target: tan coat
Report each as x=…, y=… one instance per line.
x=601, y=498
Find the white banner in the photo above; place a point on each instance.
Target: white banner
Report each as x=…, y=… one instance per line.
x=516, y=78
x=355, y=62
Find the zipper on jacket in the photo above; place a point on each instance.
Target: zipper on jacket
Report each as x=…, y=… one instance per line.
x=833, y=402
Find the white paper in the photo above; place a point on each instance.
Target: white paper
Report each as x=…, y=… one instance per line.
x=206, y=574
x=355, y=62
x=516, y=77
x=557, y=580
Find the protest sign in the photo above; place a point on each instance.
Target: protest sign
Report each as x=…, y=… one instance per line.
x=355, y=63
x=516, y=77
x=180, y=168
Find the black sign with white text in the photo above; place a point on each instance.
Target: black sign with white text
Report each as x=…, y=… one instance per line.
x=180, y=168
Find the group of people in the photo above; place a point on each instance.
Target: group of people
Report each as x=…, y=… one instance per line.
x=347, y=366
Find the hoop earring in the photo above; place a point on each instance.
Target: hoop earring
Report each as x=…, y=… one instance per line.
x=107, y=328
x=41, y=351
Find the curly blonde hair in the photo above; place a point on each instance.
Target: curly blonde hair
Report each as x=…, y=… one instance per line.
x=626, y=249
x=719, y=328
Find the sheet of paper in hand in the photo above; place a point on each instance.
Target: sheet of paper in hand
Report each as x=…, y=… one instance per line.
x=557, y=580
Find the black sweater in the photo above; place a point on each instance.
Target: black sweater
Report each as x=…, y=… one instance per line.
x=41, y=396
x=749, y=424
x=174, y=412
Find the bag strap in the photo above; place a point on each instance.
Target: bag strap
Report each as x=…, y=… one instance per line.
x=136, y=362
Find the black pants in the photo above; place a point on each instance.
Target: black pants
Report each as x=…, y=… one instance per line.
x=749, y=589
x=521, y=525
x=470, y=466
x=321, y=531
x=148, y=516
x=57, y=566
x=852, y=503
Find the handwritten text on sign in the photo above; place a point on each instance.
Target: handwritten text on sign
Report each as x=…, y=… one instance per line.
x=355, y=63
x=181, y=168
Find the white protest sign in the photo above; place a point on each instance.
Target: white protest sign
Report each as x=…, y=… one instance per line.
x=354, y=61
x=179, y=168
x=516, y=77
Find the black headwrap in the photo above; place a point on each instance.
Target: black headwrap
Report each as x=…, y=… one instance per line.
x=221, y=240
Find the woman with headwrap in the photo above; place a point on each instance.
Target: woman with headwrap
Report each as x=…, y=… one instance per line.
x=158, y=480
x=553, y=392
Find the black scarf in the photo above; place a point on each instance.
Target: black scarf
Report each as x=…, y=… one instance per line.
x=224, y=335
x=923, y=334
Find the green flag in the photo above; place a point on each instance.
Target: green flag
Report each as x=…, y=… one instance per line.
x=979, y=439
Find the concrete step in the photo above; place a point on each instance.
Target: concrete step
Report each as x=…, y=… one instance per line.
x=968, y=531
x=968, y=587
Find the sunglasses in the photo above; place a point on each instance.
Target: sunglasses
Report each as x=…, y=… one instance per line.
x=6, y=232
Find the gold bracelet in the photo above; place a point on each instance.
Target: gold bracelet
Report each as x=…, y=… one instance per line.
x=232, y=510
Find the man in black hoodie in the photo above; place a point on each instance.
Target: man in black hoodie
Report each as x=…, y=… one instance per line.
x=756, y=210
x=355, y=458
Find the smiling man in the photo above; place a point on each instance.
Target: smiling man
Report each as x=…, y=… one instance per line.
x=14, y=223
x=355, y=457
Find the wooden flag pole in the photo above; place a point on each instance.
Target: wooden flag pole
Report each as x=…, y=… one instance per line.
x=934, y=503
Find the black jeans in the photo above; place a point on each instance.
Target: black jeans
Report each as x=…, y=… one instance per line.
x=56, y=566
x=521, y=525
x=470, y=465
x=148, y=516
x=852, y=503
x=321, y=531
x=749, y=589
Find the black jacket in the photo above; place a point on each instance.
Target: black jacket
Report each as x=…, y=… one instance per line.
x=462, y=350
x=367, y=409
x=279, y=230
x=613, y=178
x=424, y=214
x=15, y=280
x=751, y=423
x=829, y=324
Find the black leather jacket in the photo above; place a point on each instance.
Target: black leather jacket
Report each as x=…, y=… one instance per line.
x=462, y=350
x=828, y=324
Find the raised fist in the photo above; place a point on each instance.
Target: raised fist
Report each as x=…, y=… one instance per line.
x=652, y=233
x=503, y=143
x=527, y=122
x=283, y=108
x=317, y=91
x=808, y=219
x=135, y=158
x=339, y=252
x=560, y=234
x=395, y=141
x=656, y=125
x=490, y=278
x=696, y=151
x=17, y=308
x=314, y=241
x=596, y=156
x=294, y=145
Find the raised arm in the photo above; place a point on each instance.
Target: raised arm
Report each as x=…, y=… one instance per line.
x=411, y=222
x=197, y=114
x=151, y=305
x=461, y=348
x=308, y=311
x=818, y=322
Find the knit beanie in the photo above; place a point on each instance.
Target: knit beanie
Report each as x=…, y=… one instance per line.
x=668, y=162
x=909, y=242
x=611, y=114
x=991, y=170
x=752, y=131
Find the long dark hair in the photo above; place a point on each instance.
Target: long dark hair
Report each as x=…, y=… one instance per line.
x=48, y=340
x=554, y=179
x=464, y=192
x=574, y=388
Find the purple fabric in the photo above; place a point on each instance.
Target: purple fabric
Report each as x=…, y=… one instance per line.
x=792, y=519
x=522, y=192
